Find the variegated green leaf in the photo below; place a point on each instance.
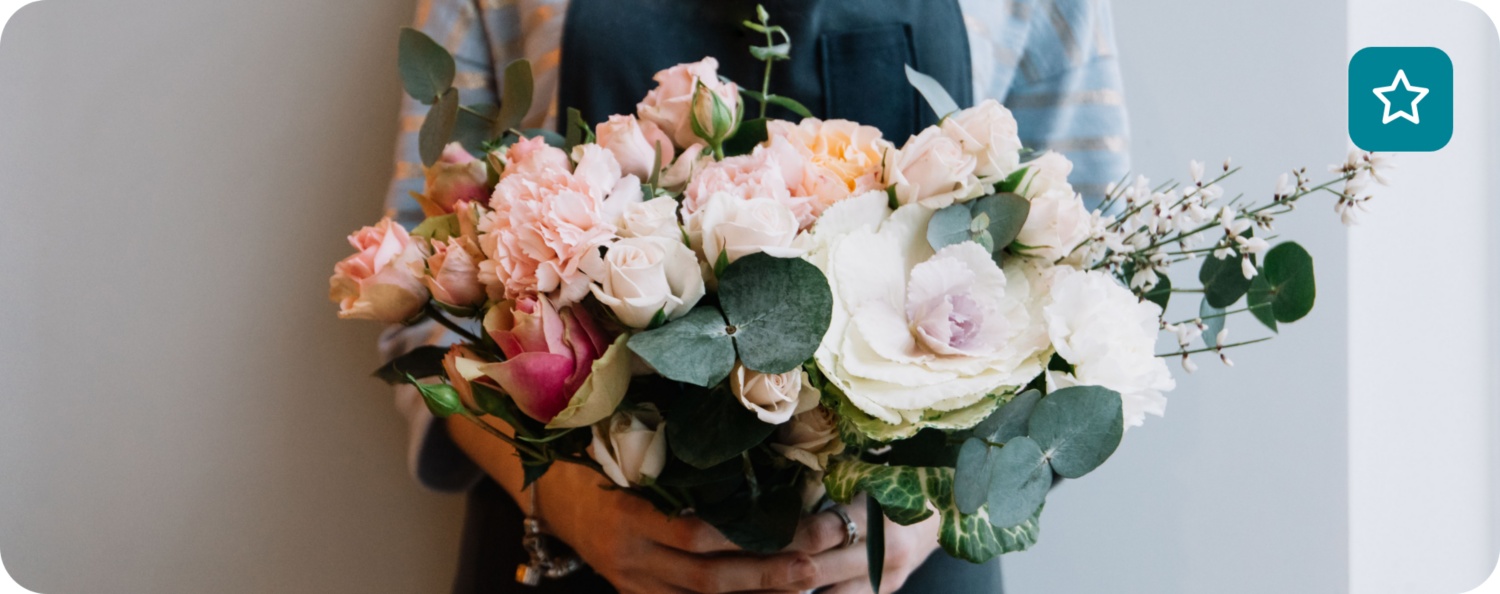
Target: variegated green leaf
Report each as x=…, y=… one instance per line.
x=909, y=495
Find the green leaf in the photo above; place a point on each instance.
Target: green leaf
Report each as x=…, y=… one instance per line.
x=1260, y=302
x=708, y=427
x=516, y=94
x=476, y=126
x=1019, y=480
x=501, y=406
x=750, y=134
x=721, y=264
x=1011, y=420
x=780, y=51
x=1013, y=181
x=577, y=129
x=761, y=525
x=437, y=129
x=695, y=348
x=790, y=104
x=1161, y=294
x=971, y=476
x=1078, y=428
x=949, y=226
x=1214, y=319
x=1007, y=213
x=427, y=69
x=933, y=91
x=875, y=543
x=423, y=361
x=438, y=228
x=1223, y=281
x=531, y=471
x=1292, y=284
x=778, y=310
x=902, y=491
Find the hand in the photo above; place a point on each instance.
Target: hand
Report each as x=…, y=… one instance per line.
x=845, y=570
x=639, y=549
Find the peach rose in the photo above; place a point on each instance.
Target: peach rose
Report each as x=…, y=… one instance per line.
x=838, y=158
x=933, y=170
x=378, y=282
x=670, y=104
x=457, y=177
x=452, y=274
x=634, y=144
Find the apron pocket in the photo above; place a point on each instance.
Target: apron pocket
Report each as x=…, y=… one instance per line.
x=864, y=79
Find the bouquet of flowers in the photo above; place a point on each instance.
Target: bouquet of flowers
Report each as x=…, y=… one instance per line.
x=742, y=317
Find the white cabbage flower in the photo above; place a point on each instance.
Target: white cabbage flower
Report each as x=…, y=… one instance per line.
x=1109, y=336
x=919, y=338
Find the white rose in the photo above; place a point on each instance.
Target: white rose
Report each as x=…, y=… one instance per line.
x=810, y=438
x=1057, y=224
x=631, y=446
x=653, y=218
x=988, y=131
x=915, y=334
x=739, y=228
x=642, y=276
x=1109, y=336
x=932, y=169
x=1045, y=174
x=774, y=398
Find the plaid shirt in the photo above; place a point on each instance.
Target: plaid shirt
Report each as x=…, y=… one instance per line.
x=1051, y=62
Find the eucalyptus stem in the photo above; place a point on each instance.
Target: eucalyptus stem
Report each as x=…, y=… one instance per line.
x=442, y=318
x=674, y=501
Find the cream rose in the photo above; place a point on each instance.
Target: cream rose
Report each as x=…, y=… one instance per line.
x=738, y=228
x=635, y=144
x=919, y=338
x=988, y=132
x=933, y=170
x=670, y=104
x=774, y=398
x=1109, y=336
x=810, y=438
x=631, y=446
x=643, y=276
x=380, y=281
x=653, y=218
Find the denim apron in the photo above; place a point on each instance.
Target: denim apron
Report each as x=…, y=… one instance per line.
x=846, y=62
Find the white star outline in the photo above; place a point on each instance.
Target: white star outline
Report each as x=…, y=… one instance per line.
x=1401, y=81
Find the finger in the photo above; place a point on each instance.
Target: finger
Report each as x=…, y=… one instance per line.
x=687, y=534
x=737, y=573
x=854, y=586
x=840, y=565
x=819, y=533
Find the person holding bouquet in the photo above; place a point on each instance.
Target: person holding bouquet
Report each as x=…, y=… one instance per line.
x=1053, y=63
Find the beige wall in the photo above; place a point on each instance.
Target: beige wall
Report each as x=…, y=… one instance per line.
x=180, y=411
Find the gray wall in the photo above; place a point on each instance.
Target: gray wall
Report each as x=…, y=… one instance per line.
x=183, y=414
x=1242, y=487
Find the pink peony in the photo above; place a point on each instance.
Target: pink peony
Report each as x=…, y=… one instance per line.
x=548, y=223
x=457, y=177
x=379, y=282
x=670, y=104
x=452, y=275
x=837, y=159
x=549, y=353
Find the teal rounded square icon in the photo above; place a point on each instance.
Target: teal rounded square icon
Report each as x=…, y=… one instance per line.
x=1401, y=99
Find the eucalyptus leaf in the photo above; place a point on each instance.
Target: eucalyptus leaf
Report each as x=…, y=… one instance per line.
x=437, y=129
x=745, y=139
x=937, y=97
x=427, y=69
x=706, y=428
x=780, y=51
x=1214, y=319
x=1011, y=420
x=778, y=310
x=971, y=476
x=1260, y=301
x=1293, y=286
x=949, y=226
x=1223, y=280
x=791, y=105
x=1019, y=480
x=475, y=126
x=1007, y=213
x=516, y=95
x=1078, y=428
x=694, y=349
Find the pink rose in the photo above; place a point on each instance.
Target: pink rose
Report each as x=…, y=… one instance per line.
x=634, y=144
x=379, y=281
x=452, y=275
x=670, y=104
x=549, y=353
x=457, y=177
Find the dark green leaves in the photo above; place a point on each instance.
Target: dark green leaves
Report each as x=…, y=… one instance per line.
x=1019, y=479
x=760, y=524
x=991, y=221
x=425, y=361
x=789, y=103
x=516, y=95
x=427, y=69
x=708, y=427
x=437, y=129
x=1078, y=428
x=1286, y=284
x=1161, y=294
x=875, y=543
x=1011, y=420
x=749, y=134
x=1223, y=280
x=933, y=91
x=695, y=348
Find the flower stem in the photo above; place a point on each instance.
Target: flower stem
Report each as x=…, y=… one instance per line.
x=441, y=318
x=520, y=447
x=1218, y=348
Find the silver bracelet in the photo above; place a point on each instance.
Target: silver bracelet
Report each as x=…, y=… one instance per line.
x=542, y=563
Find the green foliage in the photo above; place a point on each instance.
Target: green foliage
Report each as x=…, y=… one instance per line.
x=789, y=103
x=695, y=348
x=1259, y=298
x=1078, y=428
x=875, y=543
x=971, y=475
x=763, y=522
x=438, y=228
x=750, y=134
x=709, y=427
x=937, y=97
x=991, y=221
x=1161, y=294
x=1213, y=318
x=1289, y=284
x=515, y=95
x=1012, y=182
x=1223, y=281
x=1020, y=477
x=1011, y=420
x=423, y=361
x=778, y=310
x=475, y=126
x=437, y=129
x=427, y=69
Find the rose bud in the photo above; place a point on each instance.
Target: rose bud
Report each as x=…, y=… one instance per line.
x=716, y=113
x=670, y=104
x=380, y=281
x=457, y=177
x=631, y=447
x=452, y=274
